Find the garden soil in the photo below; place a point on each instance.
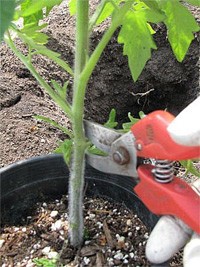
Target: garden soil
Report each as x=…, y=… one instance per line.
x=164, y=84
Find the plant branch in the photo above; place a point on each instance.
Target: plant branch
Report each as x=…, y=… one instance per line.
x=116, y=22
x=96, y=14
x=62, y=104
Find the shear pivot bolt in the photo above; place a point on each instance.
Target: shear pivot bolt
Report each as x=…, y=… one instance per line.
x=121, y=156
x=139, y=146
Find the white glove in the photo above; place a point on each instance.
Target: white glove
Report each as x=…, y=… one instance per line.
x=191, y=256
x=185, y=128
x=171, y=234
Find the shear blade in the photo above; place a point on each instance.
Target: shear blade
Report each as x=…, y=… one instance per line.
x=100, y=136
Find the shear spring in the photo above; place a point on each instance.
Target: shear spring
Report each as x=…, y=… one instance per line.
x=163, y=171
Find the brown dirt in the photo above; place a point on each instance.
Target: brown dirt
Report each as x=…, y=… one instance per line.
x=165, y=83
x=114, y=236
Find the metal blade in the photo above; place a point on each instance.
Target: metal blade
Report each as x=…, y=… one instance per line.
x=100, y=136
x=111, y=163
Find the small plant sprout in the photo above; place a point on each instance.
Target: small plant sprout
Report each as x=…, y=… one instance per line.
x=135, y=21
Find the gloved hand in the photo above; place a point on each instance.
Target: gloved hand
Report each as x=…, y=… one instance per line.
x=171, y=234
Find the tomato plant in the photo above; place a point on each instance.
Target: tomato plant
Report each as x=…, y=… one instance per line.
x=135, y=20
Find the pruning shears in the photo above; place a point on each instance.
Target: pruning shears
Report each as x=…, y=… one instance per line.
x=161, y=137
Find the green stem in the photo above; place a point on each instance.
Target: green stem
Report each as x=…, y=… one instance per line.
x=116, y=22
x=96, y=14
x=78, y=161
x=62, y=103
x=83, y=71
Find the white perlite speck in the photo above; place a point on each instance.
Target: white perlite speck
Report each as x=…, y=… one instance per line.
x=131, y=255
x=56, y=226
x=91, y=216
x=86, y=260
x=52, y=255
x=46, y=250
x=2, y=241
x=129, y=222
x=54, y=213
x=118, y=255
x=125, y=261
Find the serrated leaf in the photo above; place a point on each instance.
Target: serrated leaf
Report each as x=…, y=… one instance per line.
x=127, y=125
x=154, y=16
x=43, y=262
x=38, y=37
x=181, y=25
x=32, y=31
x=62, y=91
x=188, y=164
x=36, y=6
x=7, y=8
x=111, y=122
x=32, y=19
x=152, y=4
x=65, y=148
x=95, y=151
x=151, y=11
x=54, y=124
x=43, y=50
x=106, y=12
x=137, y=40
x=56, y=58
x=29, y=29
x=193, y=2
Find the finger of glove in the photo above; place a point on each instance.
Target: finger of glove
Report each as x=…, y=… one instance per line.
x=191, y=256
x=196, y=186
x=166, y=239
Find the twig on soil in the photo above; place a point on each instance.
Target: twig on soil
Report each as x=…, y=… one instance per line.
x=108, y=235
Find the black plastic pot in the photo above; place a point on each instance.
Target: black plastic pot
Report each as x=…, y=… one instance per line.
x=46, y=177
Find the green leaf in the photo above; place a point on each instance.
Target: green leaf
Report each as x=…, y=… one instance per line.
x=193, y=2
x=32, y=19
x=7, y=8
x=56, y=58
x=36, y=6
x=39, y=37
x=72, y=7
x=32, y=32
x=106, y=12
x=62, y=91
x=181, y=25
x=96, y=151
x=154, y=16
x=31, y=29
x=43, y=50
x=152, y=4
x=43, y=262
x=54, y=124
x=127, y=125
x=188, y=164
x=65, y=148
x=111, y=123
x=142, y=114
x=137, y=40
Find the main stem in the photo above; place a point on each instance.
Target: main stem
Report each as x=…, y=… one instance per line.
x=83, y=70
x=78, y=160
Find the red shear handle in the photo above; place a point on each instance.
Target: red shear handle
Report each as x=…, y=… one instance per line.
x=154, y=141
x=176, y=198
